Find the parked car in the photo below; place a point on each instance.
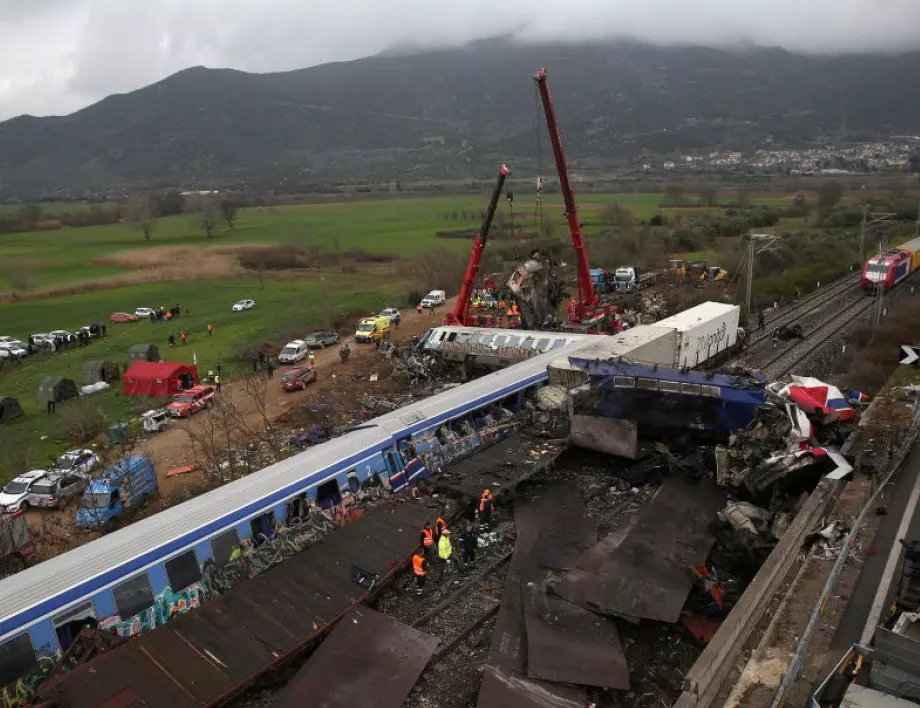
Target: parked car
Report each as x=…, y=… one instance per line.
x=77, y=461
x=392, y=313
x=13, y=497
x=122, y=317
x=43, y=338
x=5, y=339
x=123, y=486
x=320, y=340
x=435, y=297
x=155, y=421
x=56, y=488
x=93, y=330
x=297, y=379
x=191, y=401
x=293, y=352
x=8, y=348
x=144, y=312
x=244, y=305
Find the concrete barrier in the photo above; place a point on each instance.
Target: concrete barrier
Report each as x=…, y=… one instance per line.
x=705, y=678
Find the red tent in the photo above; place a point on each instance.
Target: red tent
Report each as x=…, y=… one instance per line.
x=159, y=378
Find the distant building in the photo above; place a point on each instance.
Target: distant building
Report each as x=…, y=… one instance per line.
x=669, y=165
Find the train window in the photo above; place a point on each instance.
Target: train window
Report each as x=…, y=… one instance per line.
x=223, y=547
x=712, y=391
x=542, y=344
x=690, y=389
x=559, y=343
x=463, y=338
x=183, y=571
x=297, y=507
x=624, y=381
x=450, y=337
x=133, y=596
x=17, y=658
x=262, y=527
x=67, y=625
x=354, y=484
x=670, y=386
x=647, y=384
x=513, y=341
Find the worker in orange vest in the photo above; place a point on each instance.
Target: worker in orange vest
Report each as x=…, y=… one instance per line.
x=427, y=540
x=485, y=507
x=420, y=570
x=439, y=526
x=210, y=329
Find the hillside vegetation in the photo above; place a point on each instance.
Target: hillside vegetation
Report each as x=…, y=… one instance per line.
x=454, y=113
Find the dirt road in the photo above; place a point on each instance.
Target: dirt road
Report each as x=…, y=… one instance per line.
x=171, y=448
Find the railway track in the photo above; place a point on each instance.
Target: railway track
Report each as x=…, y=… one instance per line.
x=795, y=353
x=807, y=305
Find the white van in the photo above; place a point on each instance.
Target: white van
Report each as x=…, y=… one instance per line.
x=435, y=297
x=293, y=352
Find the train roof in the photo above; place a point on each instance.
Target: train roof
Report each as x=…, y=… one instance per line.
x=190, y=522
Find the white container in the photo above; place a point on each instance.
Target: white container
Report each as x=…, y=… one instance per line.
x=702, y=332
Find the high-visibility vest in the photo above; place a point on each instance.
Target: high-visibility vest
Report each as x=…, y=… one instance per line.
x=486, y=497
x=418, y=565
x=427, y=538
x=445, y=550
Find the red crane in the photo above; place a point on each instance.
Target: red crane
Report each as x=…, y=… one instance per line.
x=461, y=312
x=587, y=298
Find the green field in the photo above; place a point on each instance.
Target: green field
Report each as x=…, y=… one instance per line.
x=112, y=268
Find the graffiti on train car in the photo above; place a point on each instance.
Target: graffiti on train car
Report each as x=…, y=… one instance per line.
x=452, y=447
x=20, y=693
x=165, y=606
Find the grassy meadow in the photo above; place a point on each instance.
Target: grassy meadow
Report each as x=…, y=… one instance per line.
x=73, y=276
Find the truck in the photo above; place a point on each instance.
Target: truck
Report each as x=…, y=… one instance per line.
x=629, y=279
x=125, y=486
x=15, y=543
x=373, y=329
x=433, y=299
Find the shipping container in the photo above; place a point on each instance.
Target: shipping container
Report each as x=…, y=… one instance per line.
x=702, y=332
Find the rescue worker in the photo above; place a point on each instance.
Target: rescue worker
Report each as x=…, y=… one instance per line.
x=440, y=526
x=468, y=544
x=418, y=308
x=761, y=321
x=217, y=382
x=210, y=329
x=183, y=336
x=445, y=552
x=270, y=366
x=312, y=360
x=774, y=337
x=485, y=508
x=344, y=353
x=420, y=569
x=172, y=341
x=426, y=539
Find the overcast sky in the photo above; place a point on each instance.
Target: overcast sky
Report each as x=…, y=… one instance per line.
x=57, y=56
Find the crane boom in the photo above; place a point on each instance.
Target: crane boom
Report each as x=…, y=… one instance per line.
x=461, y=311
x=587, y=298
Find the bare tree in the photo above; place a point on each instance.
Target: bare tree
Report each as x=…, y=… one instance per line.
x=709, y=195
x=255, y=388
x=207, y=211
x=229, y=209
x=618, y=216
x=142, y=211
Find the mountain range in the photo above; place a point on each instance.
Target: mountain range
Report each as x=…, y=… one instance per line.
x=455, y=113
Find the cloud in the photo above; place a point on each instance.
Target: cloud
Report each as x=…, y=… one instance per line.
x=60, y=55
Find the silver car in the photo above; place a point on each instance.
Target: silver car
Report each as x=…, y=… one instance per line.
x=320, y=340
x=56, y=488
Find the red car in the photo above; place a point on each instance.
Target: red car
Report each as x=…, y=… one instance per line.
x=122, y=317
x=191, y=401
x=298, y=378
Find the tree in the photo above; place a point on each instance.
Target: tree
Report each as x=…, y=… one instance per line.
x=142, y=210
x=171, y=203
x=674, y=195
x=207, y=211
x=618, y=216
x=229, y=209
x=709, y=195
x=829, y=193
x=29, y=216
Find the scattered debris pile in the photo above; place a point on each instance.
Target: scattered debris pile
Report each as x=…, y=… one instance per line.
x=414, y=364
x=538, y=291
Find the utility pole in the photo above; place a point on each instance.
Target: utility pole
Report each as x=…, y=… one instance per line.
x=876, y=216
x=770, y=243
x=862, y=234
x=917, y=225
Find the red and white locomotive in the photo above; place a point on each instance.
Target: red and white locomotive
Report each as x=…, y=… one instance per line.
x=885, y=270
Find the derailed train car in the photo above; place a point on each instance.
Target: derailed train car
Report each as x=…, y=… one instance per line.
x=114, y=580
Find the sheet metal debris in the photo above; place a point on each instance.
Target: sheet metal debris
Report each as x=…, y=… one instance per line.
x=219, y=649
x=552, y=527
x=647, y=575
x=368, y=660
x=505, y=683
